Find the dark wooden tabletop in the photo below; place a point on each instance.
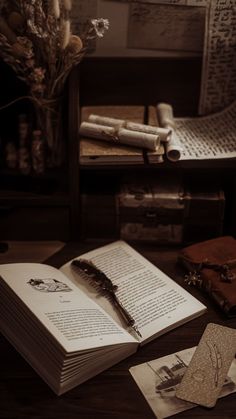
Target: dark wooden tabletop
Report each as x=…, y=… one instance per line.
x=113, y=393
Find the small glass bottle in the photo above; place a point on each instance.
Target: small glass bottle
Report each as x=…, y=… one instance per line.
x=24, y=151
x=38, y=152
x=11, y=155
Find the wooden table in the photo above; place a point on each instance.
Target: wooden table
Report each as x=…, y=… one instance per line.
x=113, y=393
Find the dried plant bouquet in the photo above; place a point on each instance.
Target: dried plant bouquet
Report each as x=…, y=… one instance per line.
x=37, y=42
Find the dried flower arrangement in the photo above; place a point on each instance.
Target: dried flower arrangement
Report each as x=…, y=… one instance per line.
x=37, y=42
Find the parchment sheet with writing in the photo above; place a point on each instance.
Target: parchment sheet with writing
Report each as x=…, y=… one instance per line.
x=218, y=86
x=208, y=137
x=183, y=2
x=169, y=26
x=82, y=11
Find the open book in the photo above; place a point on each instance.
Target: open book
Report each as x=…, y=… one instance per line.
x=68, y=332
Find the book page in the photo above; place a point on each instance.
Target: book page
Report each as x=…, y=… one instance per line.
x=154, y=300
x=73, y=319
x=218, y=85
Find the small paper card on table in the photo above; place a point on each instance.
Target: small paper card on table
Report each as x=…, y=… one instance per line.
x=204, y=378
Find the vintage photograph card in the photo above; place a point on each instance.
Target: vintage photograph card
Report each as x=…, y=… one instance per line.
x=158, y=380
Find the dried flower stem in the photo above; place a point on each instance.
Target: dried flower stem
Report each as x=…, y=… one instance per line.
x=43, y=55
x=56, y=8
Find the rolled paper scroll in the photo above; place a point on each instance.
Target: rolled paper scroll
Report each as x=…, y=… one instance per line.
x=100, y=132
x=173, y=148
x=120, y=135
x=166, y=119
x=106, y=120
x=165, y=115
x=140, y=139
x=163, y=133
